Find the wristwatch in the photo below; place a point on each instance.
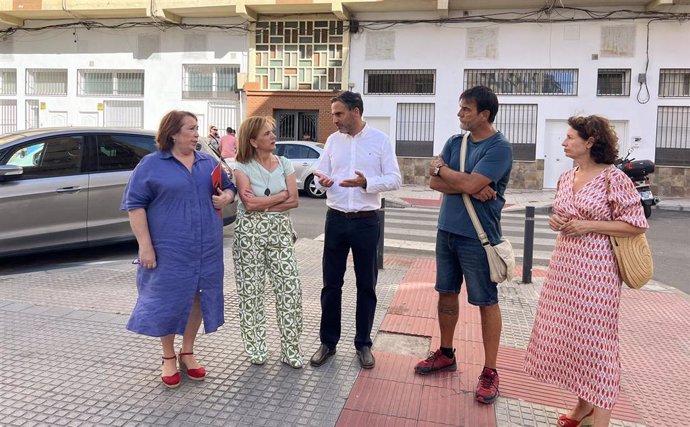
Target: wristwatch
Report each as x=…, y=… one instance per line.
x=437, y=170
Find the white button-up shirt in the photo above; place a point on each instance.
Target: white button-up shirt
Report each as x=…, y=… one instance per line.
x=369, y=152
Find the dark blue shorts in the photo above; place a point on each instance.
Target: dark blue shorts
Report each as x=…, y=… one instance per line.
x=458, y=256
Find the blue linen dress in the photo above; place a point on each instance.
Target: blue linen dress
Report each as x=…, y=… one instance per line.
x=187, y=236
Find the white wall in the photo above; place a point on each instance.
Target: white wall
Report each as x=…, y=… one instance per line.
x=429, y=46
x=117, y=49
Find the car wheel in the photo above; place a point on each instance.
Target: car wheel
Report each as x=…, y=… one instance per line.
x=310, y=187
x=647, y=210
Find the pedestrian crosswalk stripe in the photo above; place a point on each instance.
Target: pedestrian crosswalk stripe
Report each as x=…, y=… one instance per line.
x=411, y=221
x=409, y=244
x=521, y=229
x=411, y=232
x=415, y=229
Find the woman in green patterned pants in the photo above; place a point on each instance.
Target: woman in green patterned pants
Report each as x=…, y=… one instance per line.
x=263, y=248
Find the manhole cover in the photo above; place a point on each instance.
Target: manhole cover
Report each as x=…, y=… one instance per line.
x=402, y=344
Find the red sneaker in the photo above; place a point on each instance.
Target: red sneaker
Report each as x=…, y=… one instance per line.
x=436, y=361
x=487, y=387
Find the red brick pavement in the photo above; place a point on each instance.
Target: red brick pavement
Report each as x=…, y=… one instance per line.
x=655, y=348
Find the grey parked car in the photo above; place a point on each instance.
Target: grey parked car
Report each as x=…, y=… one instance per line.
x=305, y=158
x=62, y=187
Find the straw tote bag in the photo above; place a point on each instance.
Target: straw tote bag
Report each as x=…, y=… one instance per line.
x=633, y=256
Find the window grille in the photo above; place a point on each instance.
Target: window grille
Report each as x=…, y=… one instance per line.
x=613, y=82
x=224, y=115
x=673, y=136
x=415, y=130
x=674, y=82
x=45, y=81
x=518, y=123
x=299, y=55
x=400, y=82
x=8, y=82
x=8, y=115
x=202, y=81
x=110, y=82
x=124, y=114
x=552, y=82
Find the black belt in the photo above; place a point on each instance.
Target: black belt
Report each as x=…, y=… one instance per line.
x=354, y=215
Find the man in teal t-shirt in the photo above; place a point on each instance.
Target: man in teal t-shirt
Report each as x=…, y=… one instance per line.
x=459, y=252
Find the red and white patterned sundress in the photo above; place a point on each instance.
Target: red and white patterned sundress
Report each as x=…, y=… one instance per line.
x=574, y=342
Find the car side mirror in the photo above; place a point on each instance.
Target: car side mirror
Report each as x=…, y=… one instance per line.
x=10, y=172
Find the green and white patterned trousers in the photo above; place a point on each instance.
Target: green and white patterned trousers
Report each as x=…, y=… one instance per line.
x=263, y=249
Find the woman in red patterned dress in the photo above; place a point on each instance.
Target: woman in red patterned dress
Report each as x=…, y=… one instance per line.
x=574, y=342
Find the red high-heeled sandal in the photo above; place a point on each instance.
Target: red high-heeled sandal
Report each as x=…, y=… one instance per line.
x=564, y=421
x=196, y=374
x=170, y=381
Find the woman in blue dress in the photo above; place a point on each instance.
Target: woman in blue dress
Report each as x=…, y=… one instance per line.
x=173, y=211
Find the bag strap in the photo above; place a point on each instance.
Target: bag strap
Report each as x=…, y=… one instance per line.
x=466, y=198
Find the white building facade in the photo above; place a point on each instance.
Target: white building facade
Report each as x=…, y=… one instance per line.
x=127, y=64
x=121, y=77
x=411, y=77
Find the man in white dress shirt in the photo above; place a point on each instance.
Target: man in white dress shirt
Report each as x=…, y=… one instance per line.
x=358, y=163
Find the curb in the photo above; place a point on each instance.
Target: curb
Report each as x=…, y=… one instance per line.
x=677, y=208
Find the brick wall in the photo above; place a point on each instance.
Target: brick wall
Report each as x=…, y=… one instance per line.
x=527, y=175
x=264, y=103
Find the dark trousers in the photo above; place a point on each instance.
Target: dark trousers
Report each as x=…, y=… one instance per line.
x=362, y=236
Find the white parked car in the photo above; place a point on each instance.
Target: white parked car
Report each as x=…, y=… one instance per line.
x=305, y=158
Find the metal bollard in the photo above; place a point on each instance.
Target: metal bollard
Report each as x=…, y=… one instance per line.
x=382, y=222
x=528, y=246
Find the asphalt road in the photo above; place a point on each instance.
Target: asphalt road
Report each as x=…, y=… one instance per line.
x=669, y=240
x=308, y=220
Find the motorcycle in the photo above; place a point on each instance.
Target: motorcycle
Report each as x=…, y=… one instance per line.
x=638, y=171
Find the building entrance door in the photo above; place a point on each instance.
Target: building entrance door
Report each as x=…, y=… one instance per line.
x=295, y=125
x=555, y=161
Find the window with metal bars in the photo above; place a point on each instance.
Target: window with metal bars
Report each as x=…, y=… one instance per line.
x=110, y=83
x=673, y=136
x=8, y=82
x=399, y=82
x=613, y=82
x=46, y=81
x=414, y=130
x=518, y=122
x=674, y=82
x=506, y=81
x=203, y=81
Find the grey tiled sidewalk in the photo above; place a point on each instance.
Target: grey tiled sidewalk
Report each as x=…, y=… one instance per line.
x=69, y=360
